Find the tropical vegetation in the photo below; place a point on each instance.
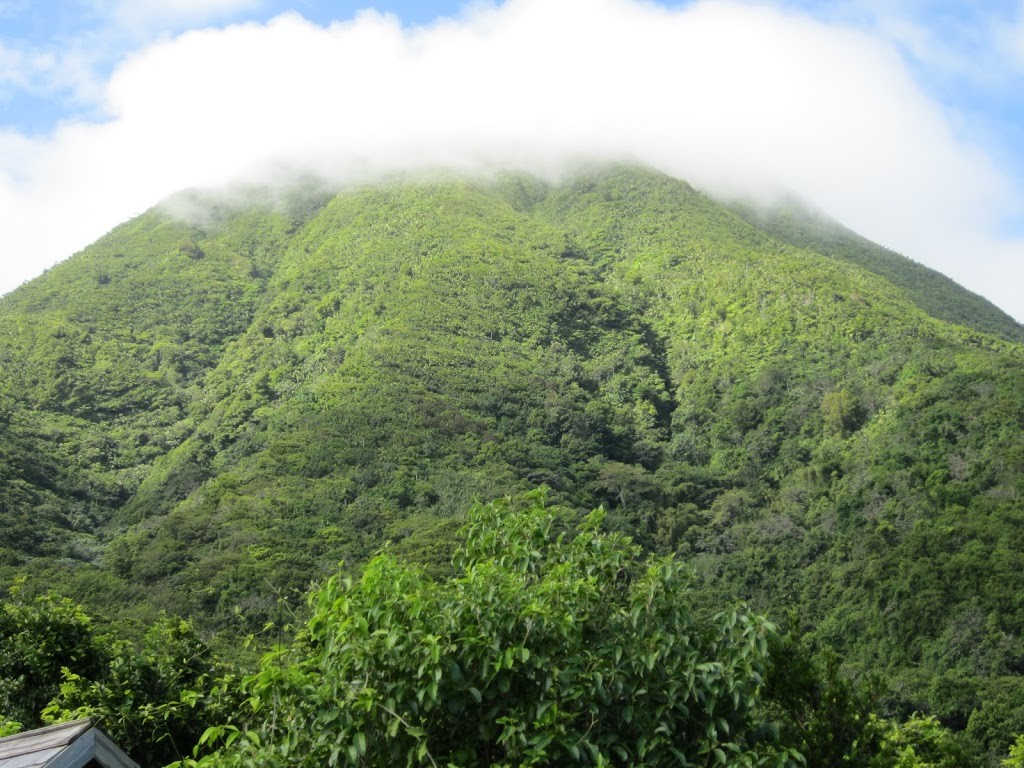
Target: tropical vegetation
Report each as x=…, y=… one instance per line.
x=210, y=408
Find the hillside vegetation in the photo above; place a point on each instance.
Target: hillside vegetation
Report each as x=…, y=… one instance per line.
x=936, y=294
x=200, y=416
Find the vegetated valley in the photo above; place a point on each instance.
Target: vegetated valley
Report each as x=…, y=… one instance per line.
x=228, y=399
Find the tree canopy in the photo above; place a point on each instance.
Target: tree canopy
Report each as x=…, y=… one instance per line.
x=552, y=644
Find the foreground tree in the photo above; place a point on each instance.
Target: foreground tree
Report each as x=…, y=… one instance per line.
x=39, y=637
x=549, y=647
x=154, y=698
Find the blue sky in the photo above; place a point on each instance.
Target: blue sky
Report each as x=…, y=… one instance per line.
x=902, y=118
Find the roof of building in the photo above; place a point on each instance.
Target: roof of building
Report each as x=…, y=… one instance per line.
x=68, y=745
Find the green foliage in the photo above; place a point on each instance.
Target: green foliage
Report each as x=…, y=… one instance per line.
x=824, y=714
x=550, y=646
x=206, y=435
x=794, y=223
x=996, y=717
x=920, y=742
x=9, y=727
x=1016, y=757
x=841, y=412
x=38, y=638
x=154, y=700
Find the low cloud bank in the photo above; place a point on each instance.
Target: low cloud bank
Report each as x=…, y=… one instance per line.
x=737, y=99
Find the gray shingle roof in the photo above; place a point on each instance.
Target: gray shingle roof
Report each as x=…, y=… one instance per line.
x=68, y=745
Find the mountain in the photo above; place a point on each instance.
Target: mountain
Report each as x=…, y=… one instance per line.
x=798, y=224
x=201, y=413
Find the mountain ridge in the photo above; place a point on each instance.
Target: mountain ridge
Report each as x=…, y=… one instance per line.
x=802, y=226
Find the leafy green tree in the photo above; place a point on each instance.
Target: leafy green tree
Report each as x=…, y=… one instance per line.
x=554, y=644
x=155, y=699
x=841, y=411
x=920, y=742
x=821, y=711
x=995, y=721
x=625, y=482
x=1016, y=757
x=39, y=637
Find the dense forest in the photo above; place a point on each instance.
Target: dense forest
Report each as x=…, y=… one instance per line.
x=247, y=423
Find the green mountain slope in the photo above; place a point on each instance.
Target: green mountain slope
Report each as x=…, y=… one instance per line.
x=932, y=291
x=199, y=417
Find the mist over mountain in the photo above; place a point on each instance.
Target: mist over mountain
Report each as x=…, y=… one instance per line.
x=225, y=397
x=734, y=97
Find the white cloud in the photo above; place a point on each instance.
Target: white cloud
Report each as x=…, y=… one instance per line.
x=727, y=95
